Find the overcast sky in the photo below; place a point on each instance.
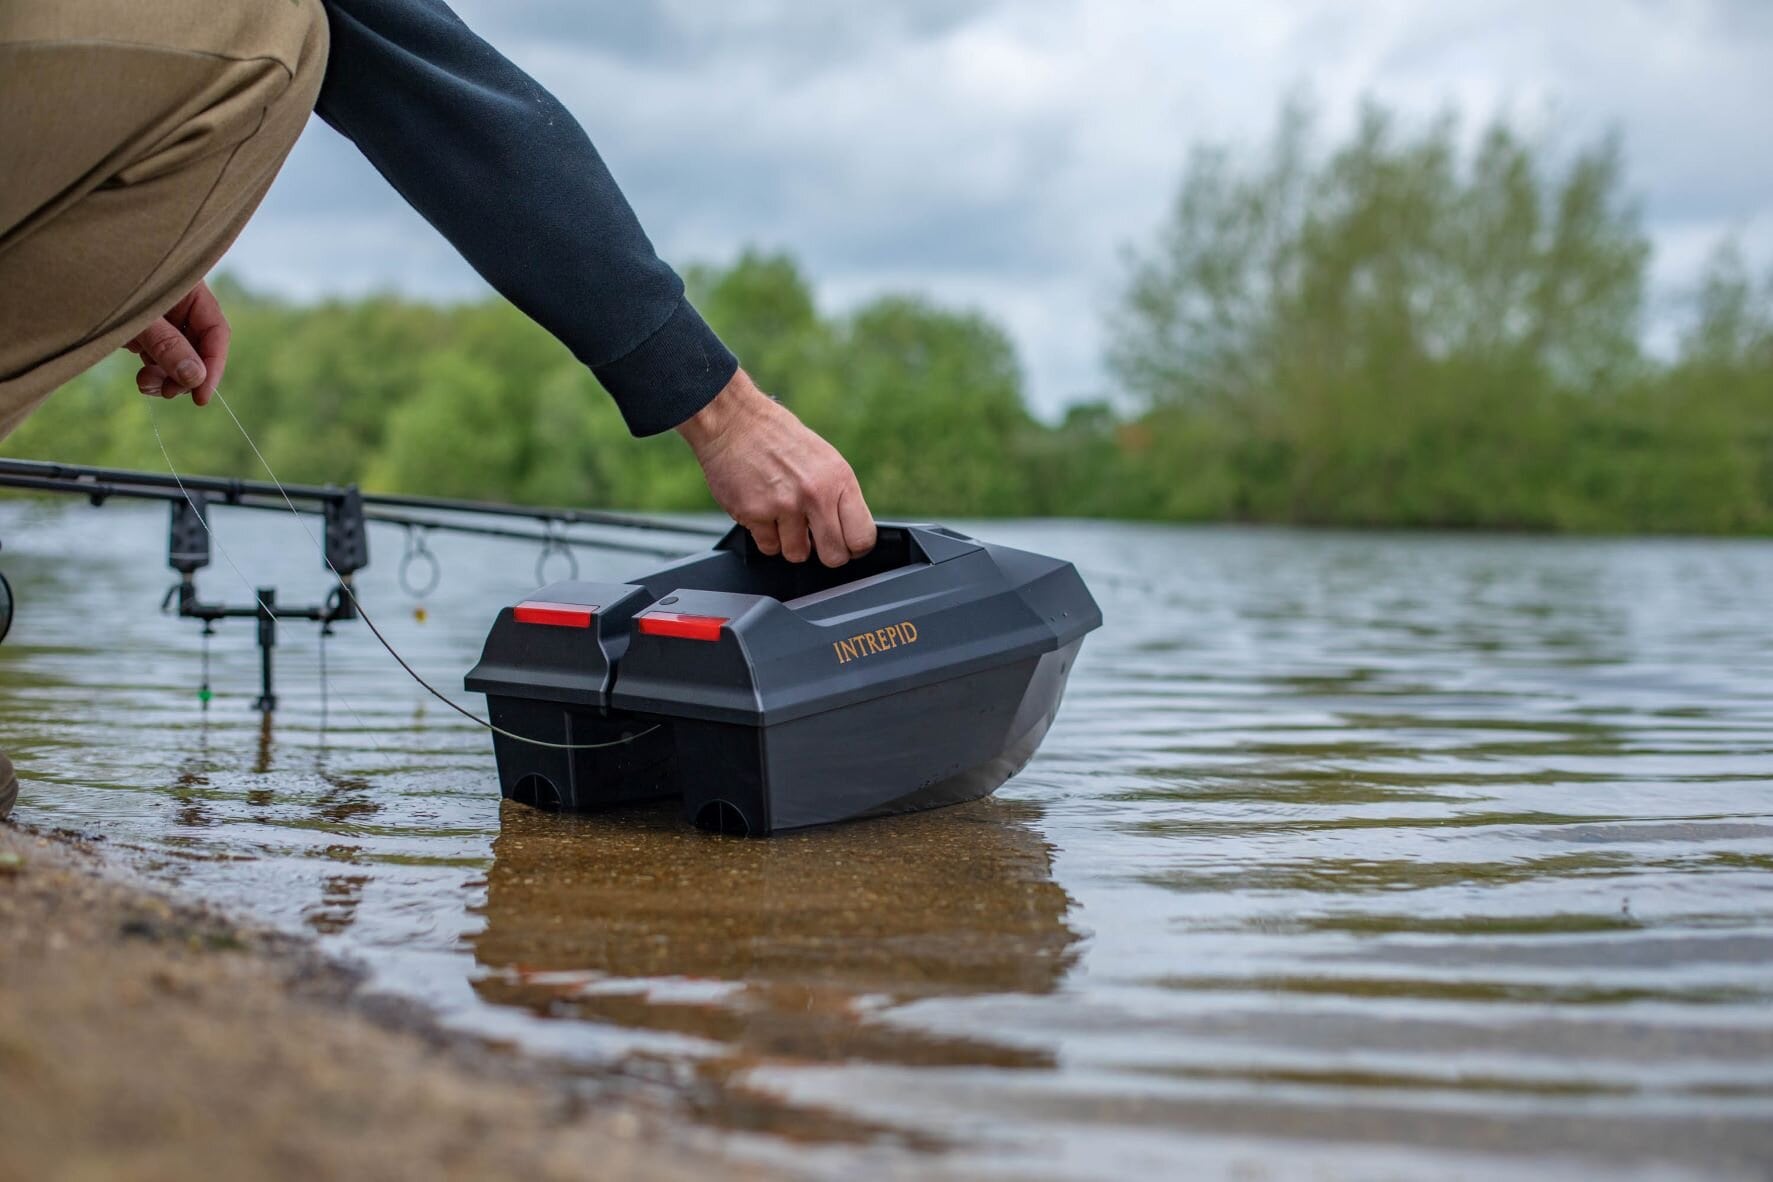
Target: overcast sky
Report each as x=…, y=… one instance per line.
x=1000, y=153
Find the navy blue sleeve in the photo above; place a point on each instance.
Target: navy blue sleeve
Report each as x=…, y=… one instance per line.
x=495, y=163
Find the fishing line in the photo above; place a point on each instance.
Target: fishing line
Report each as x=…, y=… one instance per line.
x=346, y=587
x=209, y=628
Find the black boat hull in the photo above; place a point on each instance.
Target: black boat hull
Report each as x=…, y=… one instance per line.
x=848, y=764
x=769, y=697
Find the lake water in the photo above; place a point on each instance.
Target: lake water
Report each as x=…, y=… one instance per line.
x=1415, y=856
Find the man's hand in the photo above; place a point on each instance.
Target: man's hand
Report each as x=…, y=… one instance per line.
x=186, y=349
x=777, y=478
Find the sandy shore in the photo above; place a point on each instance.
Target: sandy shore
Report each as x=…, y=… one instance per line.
x=146, y=1037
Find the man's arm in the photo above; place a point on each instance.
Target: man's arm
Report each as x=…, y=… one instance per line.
x=499, y=166
x=503, y=171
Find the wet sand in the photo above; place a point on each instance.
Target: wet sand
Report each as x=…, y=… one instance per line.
x=142, y=1036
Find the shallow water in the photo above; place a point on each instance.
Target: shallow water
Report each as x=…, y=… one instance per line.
x=1349, y=856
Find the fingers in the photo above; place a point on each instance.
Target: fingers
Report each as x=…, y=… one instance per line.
x=207, y=329
x=856, y=522
x=836, y=516
x=765, y=535
x=186, y=349
x=165, y=347
x=842, y=526
x=827, y=526
x=152, y=380
x=796, y=543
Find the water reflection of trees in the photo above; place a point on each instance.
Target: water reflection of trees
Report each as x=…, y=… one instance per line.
x=795, y=947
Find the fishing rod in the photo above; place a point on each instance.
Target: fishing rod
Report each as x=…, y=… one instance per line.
x=102, y=483
x=346, y=513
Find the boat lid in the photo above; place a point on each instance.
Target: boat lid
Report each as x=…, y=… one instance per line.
x=559, y=643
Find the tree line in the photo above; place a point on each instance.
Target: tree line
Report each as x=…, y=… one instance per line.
x=1401, y=330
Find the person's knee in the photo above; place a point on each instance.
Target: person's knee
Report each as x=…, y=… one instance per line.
x=308, y=57
x=172, y=117
x=288, y=34
x=257, y=87
x=303, y=50
x=302, y=40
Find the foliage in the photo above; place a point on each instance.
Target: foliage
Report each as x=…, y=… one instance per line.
x=1399, y=331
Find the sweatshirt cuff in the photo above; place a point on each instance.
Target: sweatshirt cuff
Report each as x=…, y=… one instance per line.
x=669, y=376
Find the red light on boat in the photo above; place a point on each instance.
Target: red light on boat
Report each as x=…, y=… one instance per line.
x=681, y=626
x=558, y=615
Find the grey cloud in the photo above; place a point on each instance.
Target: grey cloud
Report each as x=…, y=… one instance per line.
x=1750, y=20
x=679, y=34
x=997, y=153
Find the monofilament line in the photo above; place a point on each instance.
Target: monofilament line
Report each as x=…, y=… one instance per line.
x=347, y=589
x=203, y=520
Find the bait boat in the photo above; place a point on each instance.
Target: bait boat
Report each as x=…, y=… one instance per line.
x=770, y=695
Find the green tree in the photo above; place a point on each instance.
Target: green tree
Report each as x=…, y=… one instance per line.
x=932, y=419
x=1392, y=332
x=456, y=437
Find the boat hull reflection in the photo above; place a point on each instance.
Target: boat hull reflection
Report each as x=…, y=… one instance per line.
x=798, y=948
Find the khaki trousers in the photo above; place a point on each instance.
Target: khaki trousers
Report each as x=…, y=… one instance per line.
x=136, y=138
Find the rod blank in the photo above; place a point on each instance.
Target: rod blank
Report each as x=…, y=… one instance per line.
x=105, y=483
